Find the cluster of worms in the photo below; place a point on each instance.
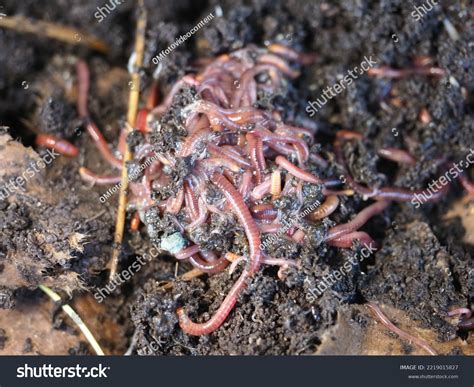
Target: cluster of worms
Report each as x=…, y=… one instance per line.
x=247, y=154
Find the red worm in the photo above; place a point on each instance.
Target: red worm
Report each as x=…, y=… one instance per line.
x=387, y=193
x=261, y=190
x=243, y=214
x=295, y=171
x=345, y=241
x=221, y=152
x=61, y=146
x=279, y=63
x=102, y=145
x=425, y=116
x=303, y=58
x=195, y=329
x=467, y=325
x=246, y=184
x=174, y=204
x=82, y=71
x=264, y=211
x=398, y=155
x=389, y=72
x=389, y=325
x=209, y=267
x=187, y=252
x=460, y=311
x=234, y=198
x=90, y=177
x=256, y=155
x=135, y=222
x=273, y=138
x=468, y=186
x=141, y=121
x=327, y=208
x=359, y=220
x=191, y=201
x=191, y=142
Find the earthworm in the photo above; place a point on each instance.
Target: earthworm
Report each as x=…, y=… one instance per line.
x=279, y=63
x=208, y=255
x=216, y=162
x=90, y=177
x=386, y=193
x=135, y=222
x=261, y=190
x=243, y=214
x=303, y=58
x=244, y=81
x=264, y=211
x=191, y=201
x=256, y=155
x=187, y=252
x=275, y=187
x=359, y=220
x=174, y=204
x=82, y=71
x=203, y=213
x=460, y=311
x=398, y=155
x=425, y=116
x=82, y=95
x=232, y=157
x=268, y=228
x=346, y=240
x=327, y=208
x=389, y=325
x=61, y=146
x=246, y=184
x=389, y=72
x=274, y=139
x=141, y=121
x=102, y=145
x=209, y=267
x=467, y=325
x=195, y=329
x=298, y=236
x=295, y=171
x=467, y=185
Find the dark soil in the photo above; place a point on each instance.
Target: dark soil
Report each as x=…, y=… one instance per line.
x=58, y=233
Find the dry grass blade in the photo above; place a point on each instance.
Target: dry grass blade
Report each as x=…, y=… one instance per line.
x=75, y=317
x=54, y=31
x=131, y=117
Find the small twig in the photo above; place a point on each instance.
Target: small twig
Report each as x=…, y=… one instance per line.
x=75, y=317
x=131, y=117
x=52, y=30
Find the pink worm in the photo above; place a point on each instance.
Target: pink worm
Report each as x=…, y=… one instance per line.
x=398, y=155
x=388, y=324
x=295, y=171
x=243, y=214
x=360, y=219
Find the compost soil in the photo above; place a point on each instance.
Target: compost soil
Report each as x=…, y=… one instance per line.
x=57, y=232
